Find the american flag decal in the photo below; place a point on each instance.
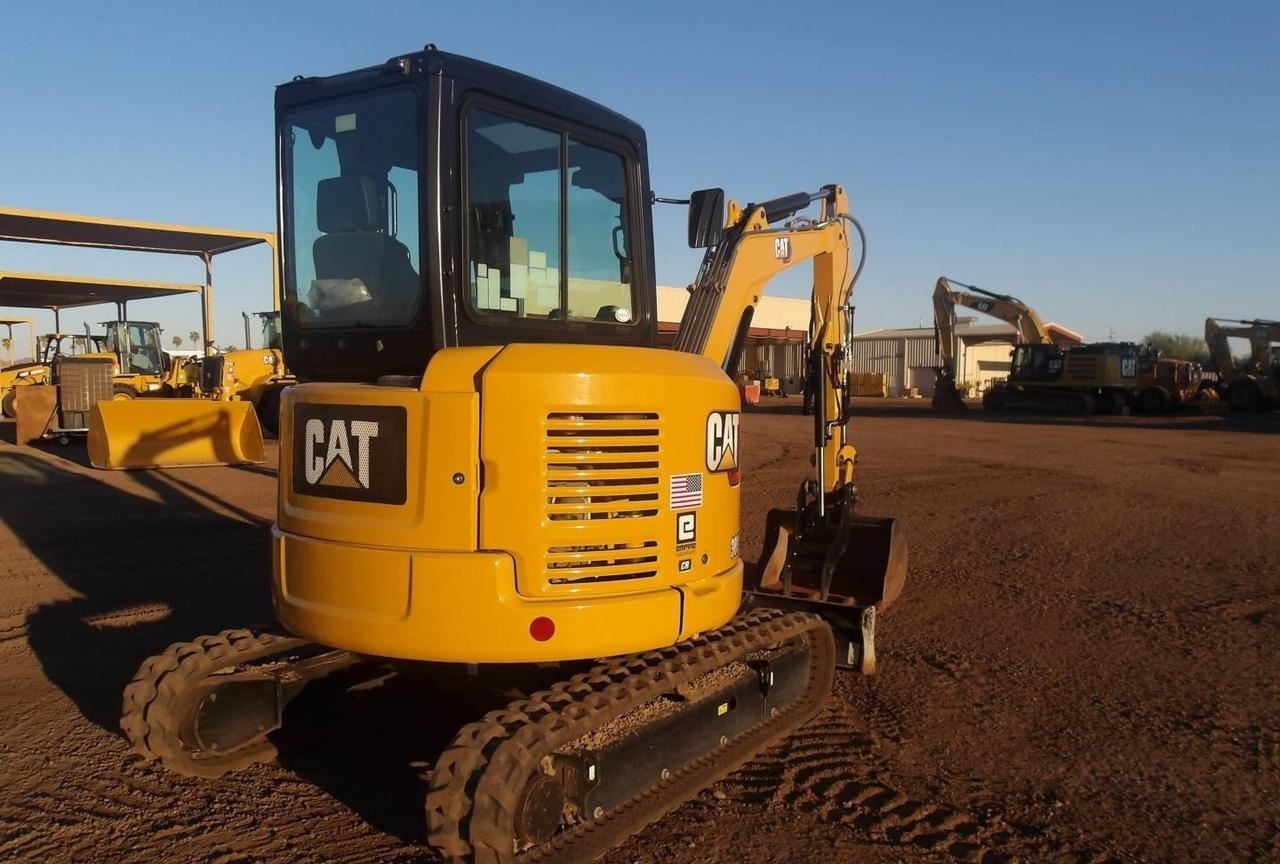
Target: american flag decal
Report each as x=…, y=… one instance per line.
x=686, y=491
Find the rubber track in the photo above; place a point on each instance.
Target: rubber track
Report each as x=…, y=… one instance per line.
x=478, y=780
x=157, y=700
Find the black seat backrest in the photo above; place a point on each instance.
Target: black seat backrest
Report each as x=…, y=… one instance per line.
x=350, y=211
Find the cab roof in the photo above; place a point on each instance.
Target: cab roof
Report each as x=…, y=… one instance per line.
x=484, y=76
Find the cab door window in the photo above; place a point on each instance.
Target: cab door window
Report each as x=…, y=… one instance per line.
x=599, y=249
x=536, y=198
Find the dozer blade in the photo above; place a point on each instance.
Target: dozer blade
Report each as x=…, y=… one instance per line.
x=857, y=561
x=170, y=433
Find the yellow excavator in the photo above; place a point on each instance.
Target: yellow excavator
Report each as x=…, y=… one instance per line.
x=1254, y=385
x=1029, y=329
x=1043, y=375
x=488, y=468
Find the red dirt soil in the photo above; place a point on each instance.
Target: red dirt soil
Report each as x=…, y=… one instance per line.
x=1085, y=664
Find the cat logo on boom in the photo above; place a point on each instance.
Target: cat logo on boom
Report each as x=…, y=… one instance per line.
x=355, y=452
x=722, y=440
x=782, y=249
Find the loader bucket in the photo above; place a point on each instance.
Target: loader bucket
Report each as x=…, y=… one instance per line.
x=170, y=433
x=861, y=562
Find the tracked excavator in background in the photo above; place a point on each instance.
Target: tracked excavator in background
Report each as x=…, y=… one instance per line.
x=1099, y=376
x=489, y=469
x=1027, y=324
x=1254, y=385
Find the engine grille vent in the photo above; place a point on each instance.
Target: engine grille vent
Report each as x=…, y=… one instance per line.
x=601, y=467
x=579, y=565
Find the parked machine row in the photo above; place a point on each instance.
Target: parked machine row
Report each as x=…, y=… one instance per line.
x=138, y=405
x=1101, y=377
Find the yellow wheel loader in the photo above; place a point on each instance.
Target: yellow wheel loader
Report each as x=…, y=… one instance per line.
x=487, y=468
x=255, y=375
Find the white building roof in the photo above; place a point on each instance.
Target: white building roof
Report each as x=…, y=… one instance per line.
x=775, y=313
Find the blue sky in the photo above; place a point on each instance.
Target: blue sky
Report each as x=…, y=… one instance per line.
x=1115, y=165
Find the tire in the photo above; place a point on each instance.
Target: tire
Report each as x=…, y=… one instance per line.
x=268, y=411
x=8, y=404
x=1088, y=405
x=123, y=393
x=1153, y=400
x=1243, y=396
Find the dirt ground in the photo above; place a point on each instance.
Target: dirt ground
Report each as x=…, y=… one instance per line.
x=1085, y=665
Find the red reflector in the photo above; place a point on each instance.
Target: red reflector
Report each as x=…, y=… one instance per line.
x=735, y=476
x=542, y=628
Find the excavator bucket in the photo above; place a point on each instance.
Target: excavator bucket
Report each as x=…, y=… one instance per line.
x=170, y=433
x=860, y=561
x=946, y=398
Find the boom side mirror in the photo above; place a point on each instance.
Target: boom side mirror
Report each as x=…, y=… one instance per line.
x=706, y=218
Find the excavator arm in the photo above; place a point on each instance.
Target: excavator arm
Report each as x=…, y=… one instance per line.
x=821, y=554
x=1261, y=333
x=1254, y=385
x=733, y=277
x=1028, y=324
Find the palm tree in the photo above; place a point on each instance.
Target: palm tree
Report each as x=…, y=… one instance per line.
x=177, y=341
x=195, y=337
x=7, y=343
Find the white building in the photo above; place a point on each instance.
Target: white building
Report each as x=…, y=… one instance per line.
x=908, y=357
x=775, y=343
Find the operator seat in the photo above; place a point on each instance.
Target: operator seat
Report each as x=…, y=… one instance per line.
x=354, y=245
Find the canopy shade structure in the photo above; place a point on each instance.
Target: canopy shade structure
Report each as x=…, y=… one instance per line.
x=44, y=291
x=8, y=323
x=68, y=229
x=101, y=232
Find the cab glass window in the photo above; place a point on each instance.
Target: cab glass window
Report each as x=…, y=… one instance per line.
x=351, y=210
x=513, y=217
x=525, y=185
x=599, y=260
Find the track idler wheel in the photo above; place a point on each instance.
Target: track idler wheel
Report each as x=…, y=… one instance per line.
x=205, y=707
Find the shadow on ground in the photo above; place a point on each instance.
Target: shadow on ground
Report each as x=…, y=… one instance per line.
x=172, y=560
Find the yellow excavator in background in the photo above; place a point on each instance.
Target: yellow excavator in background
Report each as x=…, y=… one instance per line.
x=1043, y=375
x=489, y=470
x=1028, y=327
x=1255, y=385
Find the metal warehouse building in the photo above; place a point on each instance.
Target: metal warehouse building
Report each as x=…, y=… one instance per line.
x=907, y=357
